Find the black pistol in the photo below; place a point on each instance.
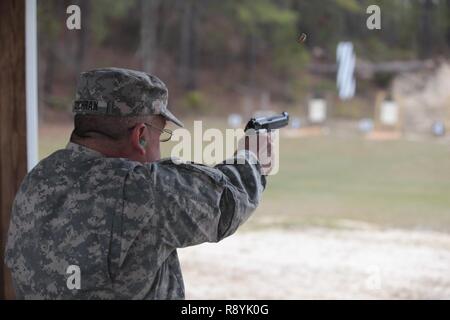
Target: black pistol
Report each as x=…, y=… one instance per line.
x=268, y=123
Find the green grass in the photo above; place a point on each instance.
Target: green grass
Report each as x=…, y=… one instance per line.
x=390, y=184
x=324, y=180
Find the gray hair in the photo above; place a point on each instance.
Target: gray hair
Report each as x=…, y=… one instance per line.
x=103, y=127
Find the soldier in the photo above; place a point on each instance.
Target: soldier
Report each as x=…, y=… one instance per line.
x=109, y=207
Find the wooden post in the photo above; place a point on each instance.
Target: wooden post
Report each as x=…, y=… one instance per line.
x=379, y=98
x=401, y=114
x=13, y=157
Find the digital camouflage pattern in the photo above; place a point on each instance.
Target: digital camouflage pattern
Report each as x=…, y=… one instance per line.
x=121, y=222
x=122, y=92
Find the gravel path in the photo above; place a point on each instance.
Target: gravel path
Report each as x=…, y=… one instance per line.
x=320, y=264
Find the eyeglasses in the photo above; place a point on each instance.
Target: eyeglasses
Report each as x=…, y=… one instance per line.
x=166, y=134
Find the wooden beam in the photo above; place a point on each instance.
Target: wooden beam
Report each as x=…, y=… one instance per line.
x=13, y=157
x=367, y=70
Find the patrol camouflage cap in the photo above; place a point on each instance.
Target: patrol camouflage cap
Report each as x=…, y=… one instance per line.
x=122, y=92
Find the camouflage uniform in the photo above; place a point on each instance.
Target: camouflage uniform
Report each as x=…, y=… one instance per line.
x=121, y=222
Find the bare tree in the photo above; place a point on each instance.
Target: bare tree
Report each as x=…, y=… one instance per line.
x=426, y=30
x=149, y=23
x=83, y=36
x=188, y=45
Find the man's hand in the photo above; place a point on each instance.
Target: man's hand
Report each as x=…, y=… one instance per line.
x=261, y=144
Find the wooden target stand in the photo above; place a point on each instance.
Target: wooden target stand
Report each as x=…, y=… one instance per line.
x=317, y=111
x=384, y=126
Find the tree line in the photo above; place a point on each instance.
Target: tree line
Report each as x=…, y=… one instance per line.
x=238, y=44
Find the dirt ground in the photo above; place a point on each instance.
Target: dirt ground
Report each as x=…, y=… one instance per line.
x=320, y=264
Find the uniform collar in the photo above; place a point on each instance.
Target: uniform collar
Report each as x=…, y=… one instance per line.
x=78, y=148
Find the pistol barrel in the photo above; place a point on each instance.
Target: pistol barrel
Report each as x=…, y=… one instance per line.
x=269, y=123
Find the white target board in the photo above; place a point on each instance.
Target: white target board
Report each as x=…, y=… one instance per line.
x=317, y=110
x=389, y=113
x=345, y=78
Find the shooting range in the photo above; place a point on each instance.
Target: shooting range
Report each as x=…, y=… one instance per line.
x=359, y=207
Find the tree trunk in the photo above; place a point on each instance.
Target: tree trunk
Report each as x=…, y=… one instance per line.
x=49, y=73
x=448, y=26
x=188, y=50
x=13, y=157
x=83, y=36
x=149, y=23
x=250, y=60
x=49, y=40
x=426, y=30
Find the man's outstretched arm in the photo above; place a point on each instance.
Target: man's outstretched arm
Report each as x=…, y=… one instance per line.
x=194, y=203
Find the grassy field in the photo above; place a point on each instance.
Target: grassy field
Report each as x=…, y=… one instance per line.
x=344, y=183
x=326, y=181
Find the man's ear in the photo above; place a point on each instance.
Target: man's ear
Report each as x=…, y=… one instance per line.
x=138, y=138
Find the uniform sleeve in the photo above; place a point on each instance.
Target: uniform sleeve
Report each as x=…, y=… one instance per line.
x=196, y=203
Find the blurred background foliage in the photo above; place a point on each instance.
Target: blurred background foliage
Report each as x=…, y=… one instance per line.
x=213, y=50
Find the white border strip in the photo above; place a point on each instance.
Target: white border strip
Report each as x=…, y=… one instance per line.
x=31, y=83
